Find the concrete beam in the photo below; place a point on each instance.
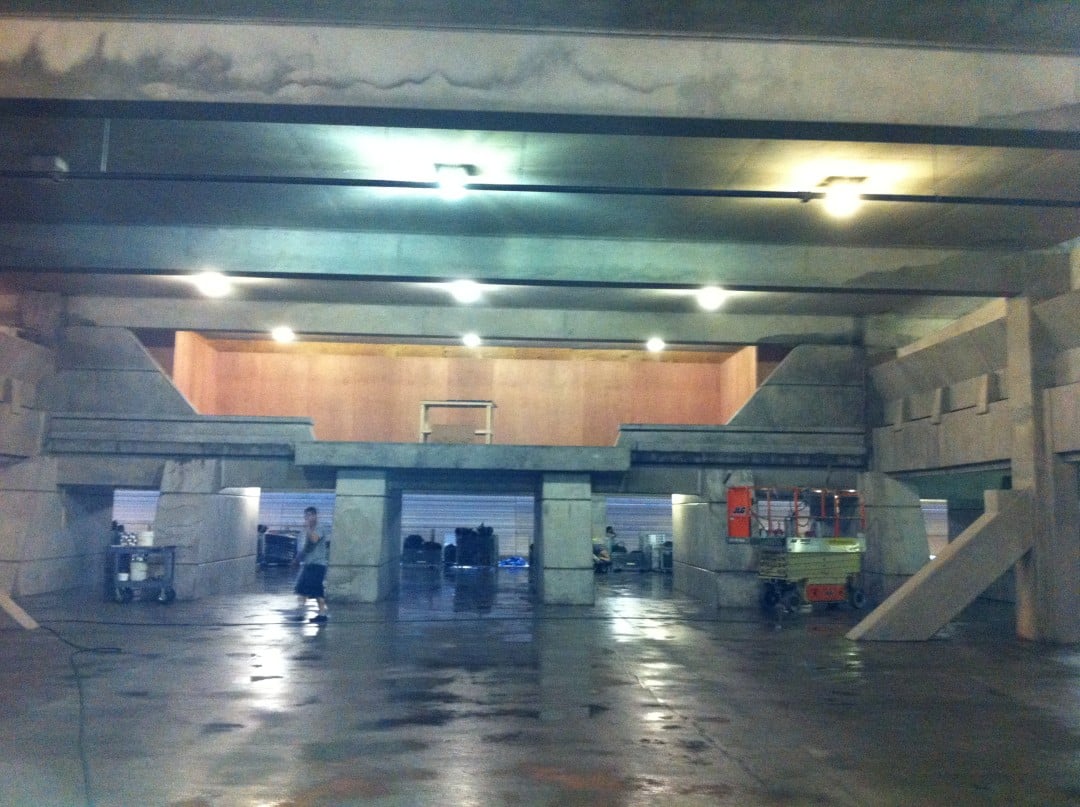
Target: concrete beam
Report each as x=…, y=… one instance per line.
x=415, y=456
x=939, y=591
x=414, y=322
x=541, y=72
x=509, y=259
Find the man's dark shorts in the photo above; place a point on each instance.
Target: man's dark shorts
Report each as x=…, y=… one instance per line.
x=310, y=582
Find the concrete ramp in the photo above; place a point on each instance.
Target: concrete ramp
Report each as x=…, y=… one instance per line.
x=964, y=569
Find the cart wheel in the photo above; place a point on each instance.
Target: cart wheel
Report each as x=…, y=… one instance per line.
x=791, y=600
x=857, y=598
x=167, y=595
x=123, y=594
x=769, y=597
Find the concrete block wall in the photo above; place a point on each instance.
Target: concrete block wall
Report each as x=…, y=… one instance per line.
x=213, y=527
x=51, y=538
x=23, y=366
x=705, y=565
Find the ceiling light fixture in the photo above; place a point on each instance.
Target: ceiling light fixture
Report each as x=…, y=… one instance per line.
x=711, y=298
x=655, y=345
x=472, y=340
x=465, y=291
x=453, y=179
x=283, y=334
x=213, y=284
x=841, y=195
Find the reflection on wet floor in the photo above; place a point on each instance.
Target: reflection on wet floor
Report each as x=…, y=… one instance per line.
x=462, y=691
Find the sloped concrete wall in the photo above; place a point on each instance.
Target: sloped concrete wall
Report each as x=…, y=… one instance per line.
x=107, y=370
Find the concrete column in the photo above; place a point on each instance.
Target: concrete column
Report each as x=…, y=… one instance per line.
x=50, y=538
x=1047, y=593
x=213, y=527
x=565, y=546
x=706, y=566
x=896, y=543
x=599, y=518
x=365, y=554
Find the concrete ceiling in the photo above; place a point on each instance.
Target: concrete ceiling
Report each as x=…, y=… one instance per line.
x=329, y=214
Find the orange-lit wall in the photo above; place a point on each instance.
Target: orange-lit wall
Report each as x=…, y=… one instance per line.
x=540, y=401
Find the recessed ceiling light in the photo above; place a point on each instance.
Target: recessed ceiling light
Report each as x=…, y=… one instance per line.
x=712, y=297
x=472, y=340
x=465, y=291
x=655, y=345
x=453, y=179
x=283, y=334
x=842, y=195
x=213, y=284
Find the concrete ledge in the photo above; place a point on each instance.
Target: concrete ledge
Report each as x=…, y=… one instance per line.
x=572, y=459
x=727, y=446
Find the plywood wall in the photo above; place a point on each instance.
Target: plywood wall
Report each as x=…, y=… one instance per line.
x=195, y=371
x=540, y=401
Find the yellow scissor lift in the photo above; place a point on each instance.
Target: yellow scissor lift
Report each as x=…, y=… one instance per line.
x=810, y=543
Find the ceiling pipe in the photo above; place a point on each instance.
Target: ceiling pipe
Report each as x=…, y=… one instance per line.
x=500, y=187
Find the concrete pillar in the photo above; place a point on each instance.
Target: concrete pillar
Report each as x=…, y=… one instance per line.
x=599, y=519
x=365, y=553
x=213, y=528
x=565, y=546
x=50, y=538
x=896, y=543
x=706, y=566
x=1047, y=591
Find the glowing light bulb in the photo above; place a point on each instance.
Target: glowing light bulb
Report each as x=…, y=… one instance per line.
x=283, y=334
x=213, y=284
x=711, y=298
x=842, y=199
x=465, y=291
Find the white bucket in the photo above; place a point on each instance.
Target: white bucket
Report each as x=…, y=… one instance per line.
x=146, y=538
x=138, y=569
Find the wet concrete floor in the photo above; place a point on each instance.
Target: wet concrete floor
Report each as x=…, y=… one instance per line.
x=462, y=692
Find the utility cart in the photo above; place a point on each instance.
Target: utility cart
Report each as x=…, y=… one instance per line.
x=810, y=544
x=142, y=570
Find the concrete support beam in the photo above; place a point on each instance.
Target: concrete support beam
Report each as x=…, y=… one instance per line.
x=564, y=539
x=579, y=72
x=943, y=588
x=365, y=556
x=896, y=542
x=213, y=527
x=1047, y=593
x=438, y=322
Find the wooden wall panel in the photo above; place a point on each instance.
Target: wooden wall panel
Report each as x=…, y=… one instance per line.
x=739, y=378
x=194, y=371
x=358, y=396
